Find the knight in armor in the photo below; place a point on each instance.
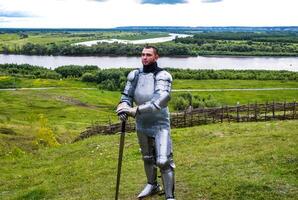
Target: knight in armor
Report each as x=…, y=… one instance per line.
x=145, y=97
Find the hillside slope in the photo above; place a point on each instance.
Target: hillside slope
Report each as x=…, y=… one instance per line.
x=218, y=161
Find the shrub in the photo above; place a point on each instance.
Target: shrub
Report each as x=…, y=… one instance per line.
x=88, y=77
x=45, y=136
x=184, y=100
x=180, y=103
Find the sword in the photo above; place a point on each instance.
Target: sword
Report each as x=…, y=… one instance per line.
x=121, y=147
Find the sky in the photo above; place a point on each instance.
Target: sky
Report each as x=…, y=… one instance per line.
x=115, y=13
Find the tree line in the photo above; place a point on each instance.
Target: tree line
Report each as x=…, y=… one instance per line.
x=115, y=79
x=101, y=49
x=278, y=43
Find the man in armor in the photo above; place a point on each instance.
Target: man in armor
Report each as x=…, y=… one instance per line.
x=149, y=88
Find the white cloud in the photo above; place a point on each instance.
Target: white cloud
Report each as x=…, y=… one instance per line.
x=112, y=13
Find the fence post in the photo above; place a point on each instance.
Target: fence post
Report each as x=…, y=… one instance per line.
x=184, y=118
x=273, y=110
x=284, y=110
x=248, y=113
x=294, y=110
x=222, y=114
x=256, y=112
x=205, y=115
x=227, y=107
x=266, y=111
x=191, y=113
x=110, y=127
x=237, y=109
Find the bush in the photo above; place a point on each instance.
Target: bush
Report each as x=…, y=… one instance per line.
x=184, y=100
x=88, y=77
x=70, y=71
x=180, y=103
x=109, y=85
x=28, y=71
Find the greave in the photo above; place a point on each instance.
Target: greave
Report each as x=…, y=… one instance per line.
x=168, y=180
x=151, y=171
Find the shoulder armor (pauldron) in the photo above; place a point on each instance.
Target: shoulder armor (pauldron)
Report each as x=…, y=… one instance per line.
x=132, y=75
x=164, y=75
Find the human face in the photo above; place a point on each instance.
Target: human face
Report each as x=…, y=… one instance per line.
x=148, y=56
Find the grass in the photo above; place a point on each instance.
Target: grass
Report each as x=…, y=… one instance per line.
x=16, y=82
x=225, y=84
x=69, y=109
x=219, y=161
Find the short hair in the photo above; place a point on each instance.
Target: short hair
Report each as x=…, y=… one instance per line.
x=152, y=47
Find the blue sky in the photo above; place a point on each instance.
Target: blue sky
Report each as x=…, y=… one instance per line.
x=114, y=13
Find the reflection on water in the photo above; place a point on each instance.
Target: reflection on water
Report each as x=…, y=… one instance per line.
x=200, y=62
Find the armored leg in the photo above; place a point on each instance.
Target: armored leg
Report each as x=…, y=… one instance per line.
x=164, y=161
x=148, y=152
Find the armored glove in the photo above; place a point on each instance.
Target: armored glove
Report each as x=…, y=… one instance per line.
x=122, y=116
x=123, y=108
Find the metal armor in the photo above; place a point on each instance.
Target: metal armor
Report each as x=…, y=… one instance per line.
x=151, y=93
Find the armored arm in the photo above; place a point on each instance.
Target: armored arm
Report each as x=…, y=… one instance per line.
x=161, y=95
x=128, y=92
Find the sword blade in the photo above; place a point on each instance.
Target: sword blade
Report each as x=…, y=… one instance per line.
x=121, y=147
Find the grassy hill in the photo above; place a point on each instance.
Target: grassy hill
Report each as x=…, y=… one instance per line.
x=218, y=161
x=69, y=108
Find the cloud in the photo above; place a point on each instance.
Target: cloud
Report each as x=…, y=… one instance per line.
x=211, y=1
x=14, y=14
x=162, y=1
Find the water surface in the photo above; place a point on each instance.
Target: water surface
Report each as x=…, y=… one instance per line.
x=199, y=62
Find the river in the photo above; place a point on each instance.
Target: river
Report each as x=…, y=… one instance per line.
x=171, y=36
x=199, y=62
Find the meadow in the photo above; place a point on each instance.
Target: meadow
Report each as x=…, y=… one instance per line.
x=227, y=161
x=70, y=105
x=218, y=161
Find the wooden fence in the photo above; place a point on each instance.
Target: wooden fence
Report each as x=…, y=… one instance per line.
x=192, y=117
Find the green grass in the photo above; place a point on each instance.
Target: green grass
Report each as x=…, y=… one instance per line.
x=245, y=97
x=225, y=84
x=69, y=109
x=219, y=161
x=16, y=82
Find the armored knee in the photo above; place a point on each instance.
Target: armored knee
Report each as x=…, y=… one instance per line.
x=163, y=162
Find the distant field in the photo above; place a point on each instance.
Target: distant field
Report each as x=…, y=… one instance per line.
x=14, y=40
x=219, y=161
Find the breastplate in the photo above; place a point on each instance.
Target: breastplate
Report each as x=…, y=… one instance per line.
x=145, y=88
